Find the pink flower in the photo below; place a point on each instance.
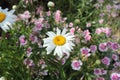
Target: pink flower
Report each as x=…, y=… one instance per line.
x=109, y=44
x=115, y=76
x=98, y=31
x=97, y=71
x=57, y=16
x=22, y=40
x=29, y=51
x=101, y=21
x=106, y=61
x=87, y=37
x=28, y=62
x=114, y=57
x=48, y=13
x=39, y=10
x=72, y=30
x=33, y=38
x=103, y=72
x=76, y=64
x=115, y=46
x=100, y=78
x=25, y=15
x=93, y=48
x=107, y=31
x=86, y=32
x=116, y=64
x=85, y=51
x=88, y=24
x=70, y=24
x=103, y=47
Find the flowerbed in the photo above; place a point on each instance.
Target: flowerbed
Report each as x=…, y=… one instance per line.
x=41, y=43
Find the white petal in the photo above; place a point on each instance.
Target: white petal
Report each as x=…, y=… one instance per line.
x=64, y=31
x=51, y=34
x=58, y=31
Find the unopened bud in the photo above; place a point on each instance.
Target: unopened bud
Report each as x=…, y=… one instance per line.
x=14, y=7
x=77, y=21
x=97, y=62
x=50, y=4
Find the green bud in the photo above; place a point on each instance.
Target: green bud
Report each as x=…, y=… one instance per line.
x=97, y=62
x=77, y=21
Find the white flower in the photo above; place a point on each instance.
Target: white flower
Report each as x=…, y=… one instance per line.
x=7, y=18
x=2, y=78
x=61, y=42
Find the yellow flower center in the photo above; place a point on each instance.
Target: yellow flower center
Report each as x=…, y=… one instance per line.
x=2, y=17
x=59, y=40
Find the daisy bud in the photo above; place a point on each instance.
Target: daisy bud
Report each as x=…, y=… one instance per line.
x=51, y=4
x=14, y=7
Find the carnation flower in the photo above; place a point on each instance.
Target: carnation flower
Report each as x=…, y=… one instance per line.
x=7, y=18
x=97, y=71
x=115, y=76
x=28, y=62
x=76, y=64
x=85, y=51
x=103, y=47
x=106, y=61
x=61, y=42
x=93, y=48
x=114, y=57
x=25, y=15
x=22, y=40
x=115, y=46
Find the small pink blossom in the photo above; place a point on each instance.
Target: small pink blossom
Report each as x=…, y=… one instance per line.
x=87, y=37
x=72, y=30
x=88, y=24
x=103, y=47
x=86, y=32
x=106, y=61
x=115, y=46
x=28, y=62
x=93, y=48
x=70, y=24
x=57, y=16
x=97, y=71
x=85, y=51
x=22, y=40
x=33, y=38
x=109, y=44
x=25, y=15
x=101, y=21
x=29, y=51
x=48, y=13
x=116, y=64
x=98, y=31
x=76, y=64
x=115, y=76
x=114, y=57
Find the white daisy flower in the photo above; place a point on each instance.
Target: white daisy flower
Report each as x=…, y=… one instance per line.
x=61, y=42
x=7, y=18
x=2, y=78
